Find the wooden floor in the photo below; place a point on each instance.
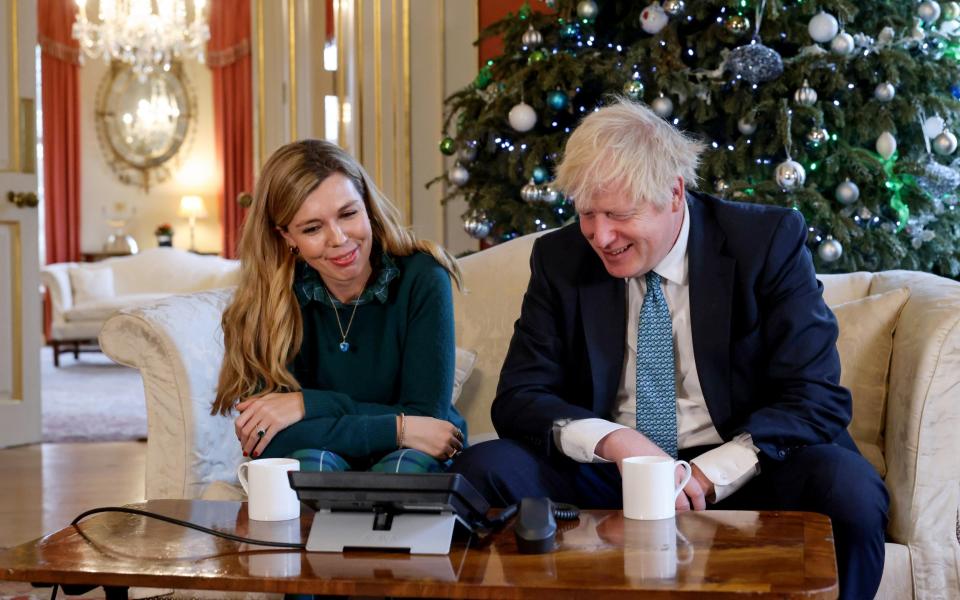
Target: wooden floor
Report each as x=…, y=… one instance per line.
x=46, y=485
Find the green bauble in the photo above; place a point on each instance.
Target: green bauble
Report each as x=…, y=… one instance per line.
x=537, y=56
x=447, y=146
x=633, y=89
x=483, y=78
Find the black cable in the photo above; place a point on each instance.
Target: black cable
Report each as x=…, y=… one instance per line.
x=228, y=536
x=565, y=512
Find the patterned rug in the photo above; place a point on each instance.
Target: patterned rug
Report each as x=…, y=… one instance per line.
x=90, y=399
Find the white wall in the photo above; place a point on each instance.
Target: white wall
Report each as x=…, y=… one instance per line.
x=194, y=173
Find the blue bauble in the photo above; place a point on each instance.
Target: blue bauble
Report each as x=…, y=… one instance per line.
x=540, y=175
x=955, y=90
x=557, y=100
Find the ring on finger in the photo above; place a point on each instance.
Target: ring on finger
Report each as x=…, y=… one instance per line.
x=458, y=434
x=261, y=432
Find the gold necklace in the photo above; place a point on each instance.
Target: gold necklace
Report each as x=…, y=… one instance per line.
x=344, y=344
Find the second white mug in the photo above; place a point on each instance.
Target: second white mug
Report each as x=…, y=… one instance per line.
x=270, y=497
x=649, y=486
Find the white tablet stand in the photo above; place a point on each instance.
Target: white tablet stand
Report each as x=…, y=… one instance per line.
x=413, y=532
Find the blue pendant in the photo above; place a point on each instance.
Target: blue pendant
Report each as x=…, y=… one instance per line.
x=344, y=346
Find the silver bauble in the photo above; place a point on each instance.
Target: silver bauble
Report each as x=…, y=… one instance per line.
x=633, y=89
x=790, y=175
x=884, y=92
x=587, y=9
x=817, y=137
x=847, y=192
x=945, y=144
x=951, y=11
x=830, y=250
x=468, y=152
x=805, y=95
x=549, y=194
x=843, y=44
x=886, y=145
x=755, y=62
x=929, y=11
x=458, y=175
x=674, y=7
x=522, y=117
x=477, y=227
x=738, y=25
x=938, y=180
x=746, y=125
x=933, y=126
x=531, y=37
x=530, y=193
x=663, y=106
x=823, y=27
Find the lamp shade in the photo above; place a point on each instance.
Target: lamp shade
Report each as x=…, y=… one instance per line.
x=192, y=206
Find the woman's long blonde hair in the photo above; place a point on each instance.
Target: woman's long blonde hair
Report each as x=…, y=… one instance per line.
x=262, y=328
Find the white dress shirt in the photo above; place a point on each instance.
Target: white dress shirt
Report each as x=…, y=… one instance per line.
x=728, y=466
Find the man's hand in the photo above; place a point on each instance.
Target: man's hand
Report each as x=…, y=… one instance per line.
x=269, y=413
x=624, y=443
x=696, y=492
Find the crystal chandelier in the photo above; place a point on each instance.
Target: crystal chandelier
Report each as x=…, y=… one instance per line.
x=131, y=31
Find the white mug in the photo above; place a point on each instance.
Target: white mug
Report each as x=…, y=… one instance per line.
x=649, y=490
x=268, y=489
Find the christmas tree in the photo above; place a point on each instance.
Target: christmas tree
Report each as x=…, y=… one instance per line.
x=843, y=110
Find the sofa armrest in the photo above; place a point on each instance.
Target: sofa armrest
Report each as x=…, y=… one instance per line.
x=923, y=417
x=56, y=279
x=177, y=344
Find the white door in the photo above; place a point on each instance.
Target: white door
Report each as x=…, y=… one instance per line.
x=20, y=304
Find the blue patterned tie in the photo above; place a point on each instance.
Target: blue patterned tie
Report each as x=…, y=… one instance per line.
x=656, y=391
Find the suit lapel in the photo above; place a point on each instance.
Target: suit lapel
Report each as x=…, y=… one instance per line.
x=603, y=306
x=711, y=295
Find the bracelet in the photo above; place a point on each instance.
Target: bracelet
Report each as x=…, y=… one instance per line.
x=403, y=429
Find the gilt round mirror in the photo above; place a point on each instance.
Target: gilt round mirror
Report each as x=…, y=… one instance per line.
x=143, y=123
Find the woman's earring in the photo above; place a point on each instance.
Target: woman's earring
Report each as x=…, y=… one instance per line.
x=294, y=250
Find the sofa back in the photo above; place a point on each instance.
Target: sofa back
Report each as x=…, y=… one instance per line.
x=170, y=271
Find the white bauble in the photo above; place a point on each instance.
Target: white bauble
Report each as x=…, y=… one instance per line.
x=949, y=27
x=790, y=175
x=933, y=126
x=884, y=92
x=843, y=44
x=805, y=95
x=746, y=125
x=549, y=194
x=830, y=250
x=945, y=144
x=847, y=192
x=886, y=145
x=458, y=175
x=929, y=11
x=663, y=106
x=522, y=117
x=823, y=27
x=653, y=18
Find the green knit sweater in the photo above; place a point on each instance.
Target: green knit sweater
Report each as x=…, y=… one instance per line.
x=401, y=359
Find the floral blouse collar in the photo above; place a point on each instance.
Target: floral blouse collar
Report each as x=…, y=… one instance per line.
x=308, y=285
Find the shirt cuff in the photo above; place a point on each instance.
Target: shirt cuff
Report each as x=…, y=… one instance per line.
x=578, y=439
x=730, y=466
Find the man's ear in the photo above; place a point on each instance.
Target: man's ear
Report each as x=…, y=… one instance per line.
x=679, y=195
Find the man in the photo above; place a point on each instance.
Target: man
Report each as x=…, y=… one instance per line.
x=670, y=322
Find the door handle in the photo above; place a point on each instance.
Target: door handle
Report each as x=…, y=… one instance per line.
x=23, y=199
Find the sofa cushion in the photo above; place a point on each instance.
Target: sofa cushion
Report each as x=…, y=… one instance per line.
x=466, y=359
x=865, y=345
x=101, y=309
x=91, y=284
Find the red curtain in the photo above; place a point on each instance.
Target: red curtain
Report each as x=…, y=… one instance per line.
x=228, y=56
x=59, y=77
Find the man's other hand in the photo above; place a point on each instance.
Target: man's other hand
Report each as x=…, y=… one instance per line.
x=624, y=443
x=696, y=492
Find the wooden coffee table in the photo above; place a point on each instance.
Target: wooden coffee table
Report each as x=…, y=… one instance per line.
x=601, y=555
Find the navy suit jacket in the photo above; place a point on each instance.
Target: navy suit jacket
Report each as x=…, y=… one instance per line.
x=764, y=341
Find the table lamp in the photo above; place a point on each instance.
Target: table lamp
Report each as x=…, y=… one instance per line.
x=192, y=208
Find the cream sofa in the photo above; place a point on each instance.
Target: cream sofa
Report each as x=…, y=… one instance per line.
x=84, y=295
x=177, y=344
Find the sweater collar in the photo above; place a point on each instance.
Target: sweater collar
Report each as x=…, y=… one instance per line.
x=308, y=285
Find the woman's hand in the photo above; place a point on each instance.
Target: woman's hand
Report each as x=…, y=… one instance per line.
x=270, y=414
x=440, y=439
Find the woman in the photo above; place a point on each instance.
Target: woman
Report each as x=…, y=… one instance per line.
x=339, y=342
